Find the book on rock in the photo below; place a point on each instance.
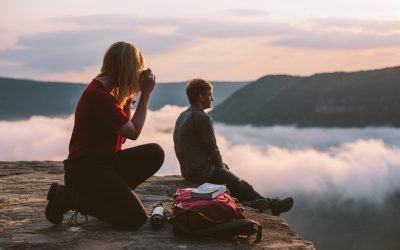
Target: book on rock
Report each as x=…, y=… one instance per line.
x=208, y=191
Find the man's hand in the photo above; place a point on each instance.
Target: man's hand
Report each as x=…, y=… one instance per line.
x=147, y=81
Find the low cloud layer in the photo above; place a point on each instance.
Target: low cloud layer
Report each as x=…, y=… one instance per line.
x=346, y=163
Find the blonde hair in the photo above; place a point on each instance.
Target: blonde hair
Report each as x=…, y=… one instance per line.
x=196, y=87
x=122, y=63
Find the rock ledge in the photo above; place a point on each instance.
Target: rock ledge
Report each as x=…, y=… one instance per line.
x=23, y=189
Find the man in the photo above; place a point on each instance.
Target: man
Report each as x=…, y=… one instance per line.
x=199, y=157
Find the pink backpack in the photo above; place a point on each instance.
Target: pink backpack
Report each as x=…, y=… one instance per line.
x=220, y=216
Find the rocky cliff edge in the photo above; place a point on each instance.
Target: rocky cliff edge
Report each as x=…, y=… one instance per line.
x=23, y=190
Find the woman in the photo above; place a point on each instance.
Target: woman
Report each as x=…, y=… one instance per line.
x=99, y=176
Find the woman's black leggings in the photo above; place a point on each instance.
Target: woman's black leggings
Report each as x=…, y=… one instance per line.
x=106, y=188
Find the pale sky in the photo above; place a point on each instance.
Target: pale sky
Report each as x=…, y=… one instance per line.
x=213, y=39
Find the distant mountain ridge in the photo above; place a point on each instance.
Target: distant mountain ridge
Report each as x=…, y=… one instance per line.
x=21, y=98
x=354, y=99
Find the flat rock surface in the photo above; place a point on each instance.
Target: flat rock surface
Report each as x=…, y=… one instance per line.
x=23, y=190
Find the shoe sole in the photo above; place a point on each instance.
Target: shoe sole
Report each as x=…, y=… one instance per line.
x=278, y=213
x=290, y=206
x=50, y=206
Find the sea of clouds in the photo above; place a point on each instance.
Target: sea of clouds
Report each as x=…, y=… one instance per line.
x=355, y=163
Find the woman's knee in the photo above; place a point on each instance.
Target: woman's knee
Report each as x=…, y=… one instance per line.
x=131, y=214
x=134, y=221
x=135, y=213
x=157, y=154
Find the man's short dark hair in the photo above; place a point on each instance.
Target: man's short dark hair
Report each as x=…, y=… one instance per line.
x=196, y=87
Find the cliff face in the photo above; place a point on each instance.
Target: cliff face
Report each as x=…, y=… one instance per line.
x=23, y=190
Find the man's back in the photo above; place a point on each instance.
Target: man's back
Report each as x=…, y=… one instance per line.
x=195, y=145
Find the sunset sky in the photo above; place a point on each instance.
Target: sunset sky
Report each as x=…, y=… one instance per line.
x=214, y=39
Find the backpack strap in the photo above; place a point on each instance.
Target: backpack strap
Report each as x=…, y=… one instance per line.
x=234, y=227
x=225, y=229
